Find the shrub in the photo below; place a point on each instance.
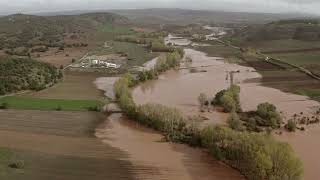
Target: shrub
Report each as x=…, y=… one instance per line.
x=94, y=108
x=229, y=99
x=269, y=116
x=59, y=108
x=202, y=99
x=291, y=126
x=218, y=96
x=4, y=106
x=234, y=122
x=228, y=103
x=252, y=124
x=17, y=165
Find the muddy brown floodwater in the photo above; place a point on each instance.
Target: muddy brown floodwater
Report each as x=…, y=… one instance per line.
x=157, y=160
x=154, y=159
x=181, y=88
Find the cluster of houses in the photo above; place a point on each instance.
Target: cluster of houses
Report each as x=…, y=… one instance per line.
x=98, y=61
x=104, y=63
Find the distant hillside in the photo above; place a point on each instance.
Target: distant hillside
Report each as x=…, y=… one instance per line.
x=296, y=29
x=182, y=17
x=28, y=30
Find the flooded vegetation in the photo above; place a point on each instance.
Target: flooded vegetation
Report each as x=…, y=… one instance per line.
x=163, y=94
x=226, y=145
x=181, y=88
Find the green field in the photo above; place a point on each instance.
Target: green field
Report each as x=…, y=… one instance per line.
x=75, y=86
x=312, y=93
x=305, y=58
x=283, y=44
x=115, y=29
x=137, y=54
x=217, y=49
x=5, y=157
x=15, y=102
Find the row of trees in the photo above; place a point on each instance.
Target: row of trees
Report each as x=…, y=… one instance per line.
x=171, y=60
x=257, y=156
x=26, y=74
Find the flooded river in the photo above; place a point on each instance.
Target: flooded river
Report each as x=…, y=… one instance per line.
x=181, y=89
x=154, y=159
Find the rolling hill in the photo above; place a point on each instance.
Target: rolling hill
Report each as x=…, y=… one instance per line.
x=294, y=29
x=185, y=17
x=22, y=30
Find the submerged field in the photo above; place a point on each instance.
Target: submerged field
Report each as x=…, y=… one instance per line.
x=279, y=76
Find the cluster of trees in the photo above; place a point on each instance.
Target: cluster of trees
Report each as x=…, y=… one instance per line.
x=18, y=52
x=159, y=46
x=142, y=38
x=291, y=126
x=76, y=45
x=133, y=39
x=229, y=99
x=171, y=60
x=266, y=115
x=26, y=74
x=257, y=156
x=39, y=49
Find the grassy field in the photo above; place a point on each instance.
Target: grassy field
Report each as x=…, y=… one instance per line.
x=75, y=86
x=219, y=50
x=16, y=102
x=303, y=59
x=283, y=44
x=137, y=54
x=57, y=145
x=115, y=29
x=313, y=93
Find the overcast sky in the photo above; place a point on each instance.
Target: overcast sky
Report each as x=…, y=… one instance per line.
x=274, y=6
